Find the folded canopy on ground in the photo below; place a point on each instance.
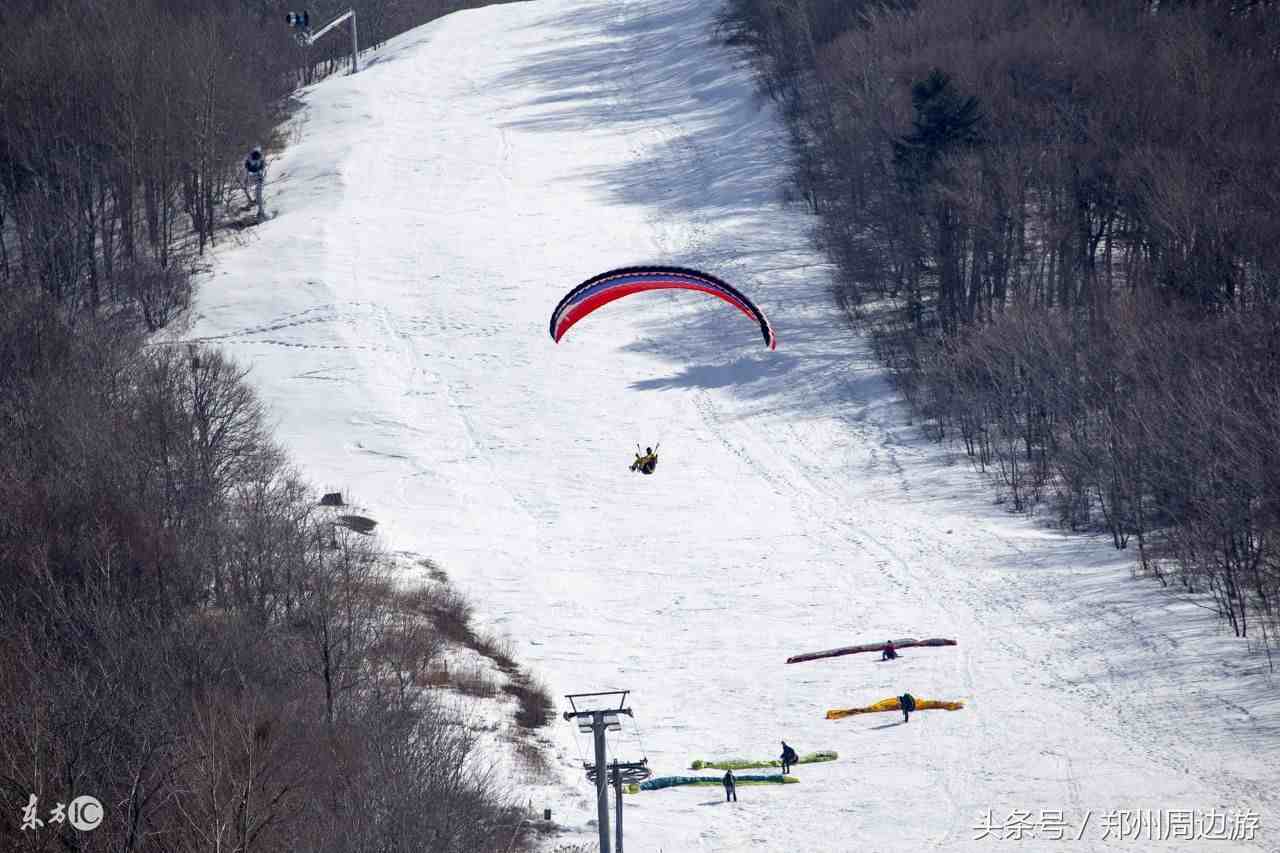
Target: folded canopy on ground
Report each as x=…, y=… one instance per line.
x=746, y=763
x=906, y=642
x=604, y=288
x=744, y=779
x=893, y=704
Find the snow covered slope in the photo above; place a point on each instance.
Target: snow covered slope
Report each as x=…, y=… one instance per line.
x=429, y=213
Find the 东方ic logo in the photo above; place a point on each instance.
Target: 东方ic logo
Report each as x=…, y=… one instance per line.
x=85, y=813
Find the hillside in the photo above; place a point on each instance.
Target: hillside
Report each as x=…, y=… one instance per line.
x=427, y=215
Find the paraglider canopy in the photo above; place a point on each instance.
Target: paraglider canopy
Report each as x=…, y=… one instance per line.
x=615, y=284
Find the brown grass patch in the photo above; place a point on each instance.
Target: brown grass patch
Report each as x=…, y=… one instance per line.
x=532, y=758
x=473, y=680
x=434, y=571
x=536, y=706
x=499, y=651
x=436, y=676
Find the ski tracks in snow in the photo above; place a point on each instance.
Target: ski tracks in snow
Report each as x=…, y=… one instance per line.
x=806, y=477
x=802, y=470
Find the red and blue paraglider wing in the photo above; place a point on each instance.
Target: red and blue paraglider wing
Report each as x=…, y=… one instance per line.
x=615, y=284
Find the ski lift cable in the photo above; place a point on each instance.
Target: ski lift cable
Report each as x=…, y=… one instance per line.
x=577, y=744
x=644, y=753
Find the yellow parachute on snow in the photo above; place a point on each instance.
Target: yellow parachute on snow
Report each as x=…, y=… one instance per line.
x=894, y=704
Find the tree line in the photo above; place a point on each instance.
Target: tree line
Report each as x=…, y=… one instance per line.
x=1059, y=219
x=185, y=633
x=189, y=637
x=123, y=128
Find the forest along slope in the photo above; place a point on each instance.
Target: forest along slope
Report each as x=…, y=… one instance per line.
x=428, y=214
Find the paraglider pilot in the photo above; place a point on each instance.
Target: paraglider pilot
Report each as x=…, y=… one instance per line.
x=908, y=703
x=730, y=787
x=645, y=463
x=889, y=652
x=789, y=757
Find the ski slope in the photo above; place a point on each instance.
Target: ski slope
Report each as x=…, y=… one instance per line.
x=429, y=212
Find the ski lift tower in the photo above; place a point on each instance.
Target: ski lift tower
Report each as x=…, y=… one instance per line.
x=597, y=721
x=355, y=47
x=620, y=773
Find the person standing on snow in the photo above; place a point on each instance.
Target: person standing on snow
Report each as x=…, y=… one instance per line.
x=908, y=703
x=789, y=757
x=730, y=787
x=254, y=163
x=255, y=167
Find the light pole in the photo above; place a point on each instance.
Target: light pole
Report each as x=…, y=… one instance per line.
x=355, y=45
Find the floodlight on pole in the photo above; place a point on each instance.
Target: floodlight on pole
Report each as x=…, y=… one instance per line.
x=355, y=47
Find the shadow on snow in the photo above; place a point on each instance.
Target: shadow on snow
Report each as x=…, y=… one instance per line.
x=712, y=155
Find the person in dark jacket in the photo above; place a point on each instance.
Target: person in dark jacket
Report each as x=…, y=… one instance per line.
x=730, y=787
x=908, y=703
x=254, y=163
x=889, y=653
x=255, y=167
x=789, y=757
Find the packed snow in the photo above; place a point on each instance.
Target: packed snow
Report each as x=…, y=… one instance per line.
x=428, y=213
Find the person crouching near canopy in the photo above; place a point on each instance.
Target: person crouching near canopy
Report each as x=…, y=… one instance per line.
x=889, y=652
